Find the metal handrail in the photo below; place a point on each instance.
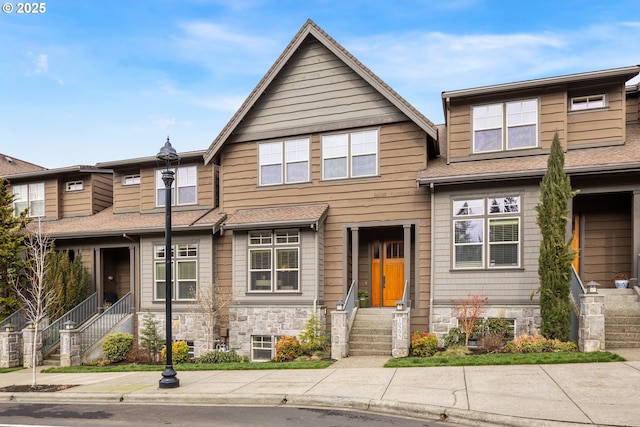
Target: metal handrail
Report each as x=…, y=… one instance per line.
x=18, y=319
x=577, y=289
x=350, y=302
x=405, y=295
x=79, y=314
x=101, y=325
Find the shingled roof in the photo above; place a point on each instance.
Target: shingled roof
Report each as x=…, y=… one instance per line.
x=286, y=216
x=10, y=166
x=107, y=223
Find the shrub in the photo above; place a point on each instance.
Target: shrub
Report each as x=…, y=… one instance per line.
x=538, y=344
x=454, y=337
x=150, y=337
x=179, y=352
x=219, y=357
x=116, y=346
x=138, y=355
x=288, y=348
x=312, y=338
x=423, y=344
x=492, y=343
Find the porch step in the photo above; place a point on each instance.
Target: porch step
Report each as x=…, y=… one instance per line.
x=371, y=332
x=53, y=359
x=621, y=318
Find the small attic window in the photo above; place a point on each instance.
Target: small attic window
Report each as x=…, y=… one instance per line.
x=590, y=102
x=75, y=186
x=133, y=179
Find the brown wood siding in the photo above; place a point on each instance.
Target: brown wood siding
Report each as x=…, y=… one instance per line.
x=76, y=203
x=392, y=196
x=315, y=88
x=460, y=132
x=147, y=189
x=126, y=198
x=607, y=246
x=52, y=200
x=633, y=108
x=606, y=125
x=102, y=192
x=553, y=118
x=205, y=185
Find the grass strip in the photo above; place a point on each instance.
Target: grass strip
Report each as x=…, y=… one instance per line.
x=505, y=359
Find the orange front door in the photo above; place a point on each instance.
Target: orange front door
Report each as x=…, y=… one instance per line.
x=387, y=273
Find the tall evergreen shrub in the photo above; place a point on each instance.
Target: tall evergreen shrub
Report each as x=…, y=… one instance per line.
x=556, y=255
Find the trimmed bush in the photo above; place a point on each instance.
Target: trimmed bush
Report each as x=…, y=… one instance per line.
x=538, y=344
x=179, y=352
x=116, y=346
x=219, y=357
x=138, y=355
x=288, y=348
x=423, y=344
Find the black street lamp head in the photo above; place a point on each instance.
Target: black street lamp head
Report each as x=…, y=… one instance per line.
x=167, y=154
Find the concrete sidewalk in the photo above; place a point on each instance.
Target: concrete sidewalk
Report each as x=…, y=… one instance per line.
x=524, y=395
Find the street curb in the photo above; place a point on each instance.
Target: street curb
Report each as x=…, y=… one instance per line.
x=403, y=409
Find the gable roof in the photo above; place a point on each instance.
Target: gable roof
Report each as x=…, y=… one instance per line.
x=310, y=29
x=283, y=216
x=10, y=166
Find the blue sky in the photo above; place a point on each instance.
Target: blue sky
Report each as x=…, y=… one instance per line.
x=101, y=80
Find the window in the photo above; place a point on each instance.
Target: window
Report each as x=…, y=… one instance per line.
x=505, y=126
x=274, y=261
x=185, y=180
x=29, y=196
x=293, y=154
x=471, y=225
x=262, y=347
x=350, y=155
x=133, y=179
x=74, y=186
x=587, y=102
x=184, y=271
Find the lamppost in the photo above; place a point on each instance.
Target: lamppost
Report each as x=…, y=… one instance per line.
x=169, y=157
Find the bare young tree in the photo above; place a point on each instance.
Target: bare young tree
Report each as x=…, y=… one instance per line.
x=208, y=309
x=34, y=296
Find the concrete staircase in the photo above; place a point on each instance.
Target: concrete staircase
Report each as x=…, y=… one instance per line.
x=370, y=333
x=621, y=318
x=53, y=358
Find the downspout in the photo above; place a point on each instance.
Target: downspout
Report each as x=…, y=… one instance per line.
x=447, y=118
x=315, y=257
x=432, y=195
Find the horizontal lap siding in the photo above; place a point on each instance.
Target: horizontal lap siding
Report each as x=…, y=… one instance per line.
x=597, y=126
x=553, y=118
x=633, y=108
x=314, y=88
x=102, y=190
x=126, y=198
x=511, y=286
x=52, y=199
x=459, y=132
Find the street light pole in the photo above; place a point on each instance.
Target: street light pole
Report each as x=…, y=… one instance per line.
x=169, y=156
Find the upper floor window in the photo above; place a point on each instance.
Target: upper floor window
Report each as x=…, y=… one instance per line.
x=587, y=102
x=74, y=185
x=505, y=126
x=495, y=217
x=284, y=161
x=274, y=260
x=132, y=179
x=350, y=155
x=29, y=196
x=184, y=266
x=185, y=180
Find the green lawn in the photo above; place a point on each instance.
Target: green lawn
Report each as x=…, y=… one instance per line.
x=311, y=364
x=505, y=359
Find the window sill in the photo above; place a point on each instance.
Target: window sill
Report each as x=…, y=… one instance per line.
x=485, y=270
x=271, y=293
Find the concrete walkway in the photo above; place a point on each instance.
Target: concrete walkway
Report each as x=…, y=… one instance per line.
x=524, y=395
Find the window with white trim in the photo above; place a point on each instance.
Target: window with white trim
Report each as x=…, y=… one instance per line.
x=29, y=196
x=505, y=126
x=262, y=347
x=350, y=155
x=184, y=271
x=74, y=185
x=283, y=161
x=185, y=180
x=274, y=261
x=133, y=179
x=587, y=102
x=496, y=217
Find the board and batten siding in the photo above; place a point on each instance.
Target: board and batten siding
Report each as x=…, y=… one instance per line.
x=390, y=196
x=315, y=90
x=147, y=265
x=504, y=286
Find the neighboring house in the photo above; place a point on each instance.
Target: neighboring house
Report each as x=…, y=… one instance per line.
x=114, y=214
x=318, y=178
x=485, y=188
x=10, y=165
